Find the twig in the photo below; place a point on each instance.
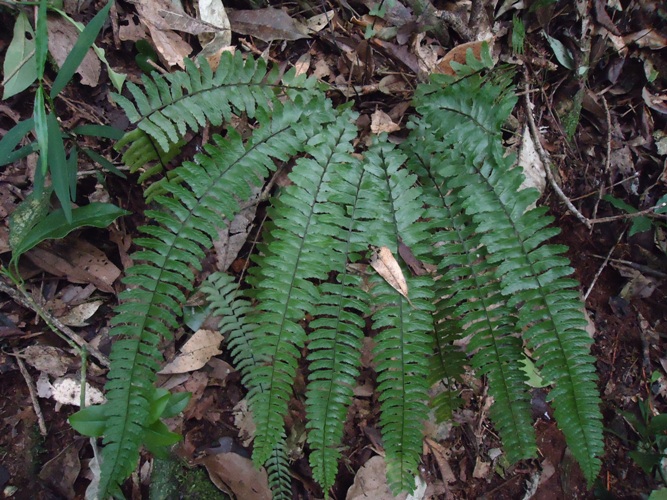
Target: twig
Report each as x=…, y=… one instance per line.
x=547, y=163
x=604, y=264
x=33, y=393
x=647, y=212
x=639, y=267
x=24, y=299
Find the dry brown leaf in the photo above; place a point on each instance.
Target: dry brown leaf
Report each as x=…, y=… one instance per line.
x=62, y=37
x=79, y=262
x=195, y=353
x=458, y=54
x=61, y=471
x=384, y=262
x=244, y=422
x=48, y=359
x=267, y=24
x=441, y=456
x=237, y=476
x=231, y=239
x=382, y=122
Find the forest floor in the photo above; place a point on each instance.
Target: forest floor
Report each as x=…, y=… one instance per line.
x=607, y=56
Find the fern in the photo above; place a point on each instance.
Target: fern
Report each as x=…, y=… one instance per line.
x=457, y=204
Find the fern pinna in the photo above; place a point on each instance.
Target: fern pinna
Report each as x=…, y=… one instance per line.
x=449, y=193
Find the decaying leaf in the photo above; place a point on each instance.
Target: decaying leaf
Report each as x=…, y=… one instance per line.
x=49, y=359
x=244, y=422
x=62, y=470
x=62, y=37
x=234, y=235
x=267, y=24
x=382, y=122
x=195, y=353
x=530, y=162
x=384, y=262
x=237, y=476
x=79, y=315
x=67, y=391
x=371, y=482
x=417, y=267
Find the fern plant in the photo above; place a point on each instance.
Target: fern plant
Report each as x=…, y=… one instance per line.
x=449, y=193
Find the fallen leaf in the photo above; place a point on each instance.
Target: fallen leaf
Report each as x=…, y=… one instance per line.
x=318, y=22
x=416, y=266
x=237, y=476
x=441, y=456
x=213, y=12
x=195, y=353
x=267, y=24
x=382, y=122
x=49, y=359
x=458, y=54
x=62, y=37
x=78, y=315
x=244, y=423
x=530, y=162
x=384, y=262
x=61, y=471
x=76, y=260
x=231, y=239
x=67, y=391
x=370, y=482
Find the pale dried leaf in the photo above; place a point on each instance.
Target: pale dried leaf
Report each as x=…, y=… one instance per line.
x=49, y=359
x=233, y=236
x=384, y=262
x=195, y=353
x=244, y=422
x=62, y=37
x=61, y=471
x=79, y=315
x=382, y=122
x=530, y=162
x=67, y=391
x=371, y=483
x=318, y=22
x=213, y=12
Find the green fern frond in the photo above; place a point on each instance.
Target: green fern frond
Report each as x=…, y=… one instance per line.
x=278, y=470
x=208, y=192
x=335, y=341
x=532, y=273
x=301, y=249
x=469, y=301
x=404, y=341
x=169, y=105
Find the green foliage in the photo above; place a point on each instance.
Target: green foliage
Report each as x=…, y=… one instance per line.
x=457, y=205
x=25, y=63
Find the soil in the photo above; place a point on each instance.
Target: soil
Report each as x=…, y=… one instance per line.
x=629, y=324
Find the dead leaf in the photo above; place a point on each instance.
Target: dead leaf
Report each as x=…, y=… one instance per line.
x=237, y=476
x=76, y=260
x=267, y=24
x=195, y=353
x=78, y=315
x=458, y=54
x=169, y=45
x=67, y=391
x=213, y=12
x=231, y=239
x=371, y=483
x=482, y=469
x=530, y=162
x=49, y=359
x=61, y=471
x=62, y=37
x=381, y=122
x=416, y=266
x=318, y=22
x=244, y=423
x=384, y=262
x=441, y=456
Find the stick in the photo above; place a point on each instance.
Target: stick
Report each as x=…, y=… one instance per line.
x=547, y=162
x=33, y=393
x=24, y=299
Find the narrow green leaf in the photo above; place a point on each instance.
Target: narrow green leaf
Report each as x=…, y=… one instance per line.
x=19, y=68
x=158, y=437
x=27, y=215
x=78, y=52
x=91, y=421
x=96, y=157
x=177, y=403
x=42, y=129
x=60, y=167
x=105, y=131
x=620, y=204
x=56, y=224
x=12, y=138
x=41, y=39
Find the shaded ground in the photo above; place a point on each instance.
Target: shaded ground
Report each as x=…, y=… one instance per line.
x=619, y=143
